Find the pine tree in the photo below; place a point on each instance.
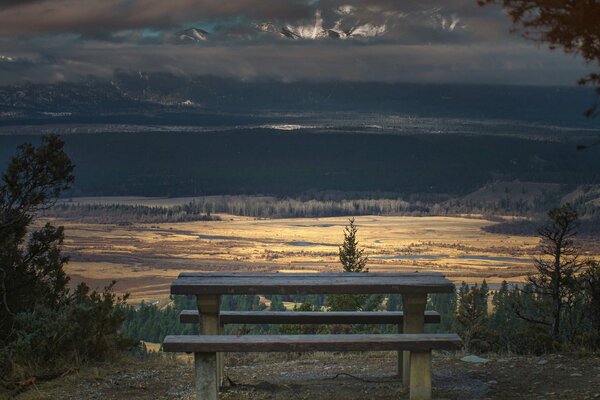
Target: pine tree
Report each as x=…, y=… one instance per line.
x=503, y=320
x=445, y=304
x=353, y=260
x=591, y=287
x=471, y=317
x=351, y=256
x=556, y=277
x=277, y=303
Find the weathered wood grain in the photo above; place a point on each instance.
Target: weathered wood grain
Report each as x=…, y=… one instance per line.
x=330, y=283
x=304, y=343
x=308, y=317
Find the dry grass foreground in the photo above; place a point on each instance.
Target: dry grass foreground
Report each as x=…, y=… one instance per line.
x=144, y=259
x=329, y=376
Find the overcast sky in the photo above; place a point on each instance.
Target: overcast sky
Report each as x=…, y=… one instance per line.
x=372, y=40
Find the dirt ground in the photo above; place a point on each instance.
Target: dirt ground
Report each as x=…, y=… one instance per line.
x=330, y=376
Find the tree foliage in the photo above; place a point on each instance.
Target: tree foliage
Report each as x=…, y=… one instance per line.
x=472, y=315
x=591, y=287
x=44, y=326
x=31, y=269
x=556, y=279
x=571, y=25
x=351, y=256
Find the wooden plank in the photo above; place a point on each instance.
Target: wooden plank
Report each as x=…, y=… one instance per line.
x=283, y=283
x=303, y=343
x=308, y=317
x=228, y=274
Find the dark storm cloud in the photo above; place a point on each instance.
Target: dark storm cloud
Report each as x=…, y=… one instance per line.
x=4, y=4
x=387, y=40
x=57, y=16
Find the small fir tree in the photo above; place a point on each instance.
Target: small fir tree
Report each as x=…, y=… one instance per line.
x=352, y=259
x=351, y=256
x=277, y=303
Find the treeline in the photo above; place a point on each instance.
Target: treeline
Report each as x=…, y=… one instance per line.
x=202, y=209
x=517, y=319
x=151, y=323
x=557, y=307
x=270, y=207
x=487, y=320
x=125, y=214
x=530, y=226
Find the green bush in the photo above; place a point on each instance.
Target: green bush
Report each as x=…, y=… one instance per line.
x=535, y=340
x=51, y=340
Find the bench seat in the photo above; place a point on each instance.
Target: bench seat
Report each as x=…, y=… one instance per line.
x=206, y=347
x=300, y=343
x=308, y=317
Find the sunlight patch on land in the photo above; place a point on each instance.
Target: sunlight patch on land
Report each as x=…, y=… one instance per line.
x=145, y=258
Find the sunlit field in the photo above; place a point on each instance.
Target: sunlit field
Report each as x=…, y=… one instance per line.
x=144, y=259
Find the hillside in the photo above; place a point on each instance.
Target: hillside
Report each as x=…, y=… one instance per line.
x=307, y=161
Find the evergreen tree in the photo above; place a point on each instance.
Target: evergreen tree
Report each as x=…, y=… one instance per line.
x=353, y=260
x=31, y=266
x=43, y=324
x=591, y=286
x=445, y=304
x=394, y=303
x=471, y=318
x=502, y=319
x=484, y=293
x=556, y=277
x=351, y=256
x=277, y=303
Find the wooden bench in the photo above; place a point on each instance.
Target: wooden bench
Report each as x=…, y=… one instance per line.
x=312, y=317
x=308, y=317
x=208, y=287
x=206, y=347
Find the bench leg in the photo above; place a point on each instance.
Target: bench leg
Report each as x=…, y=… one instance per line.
x=414, y=319
x=400, y=355
x=209, y=309
x=420, y=375
x=206, y=376
x=221, y=362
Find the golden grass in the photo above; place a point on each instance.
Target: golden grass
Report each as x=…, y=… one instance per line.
x=144, y=259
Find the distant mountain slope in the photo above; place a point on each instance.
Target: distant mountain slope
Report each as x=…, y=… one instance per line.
x=161, y=93
x=274, y=162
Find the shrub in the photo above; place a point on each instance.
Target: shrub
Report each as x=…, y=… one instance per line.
x=48, y=341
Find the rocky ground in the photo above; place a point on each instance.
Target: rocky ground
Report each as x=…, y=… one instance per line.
x=330, y=376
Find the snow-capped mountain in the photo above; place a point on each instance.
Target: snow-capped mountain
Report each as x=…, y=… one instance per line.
x=318, y=30
x=193, y=34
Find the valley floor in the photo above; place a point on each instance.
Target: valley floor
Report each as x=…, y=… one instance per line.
x=145, y=258
x=330, y=376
